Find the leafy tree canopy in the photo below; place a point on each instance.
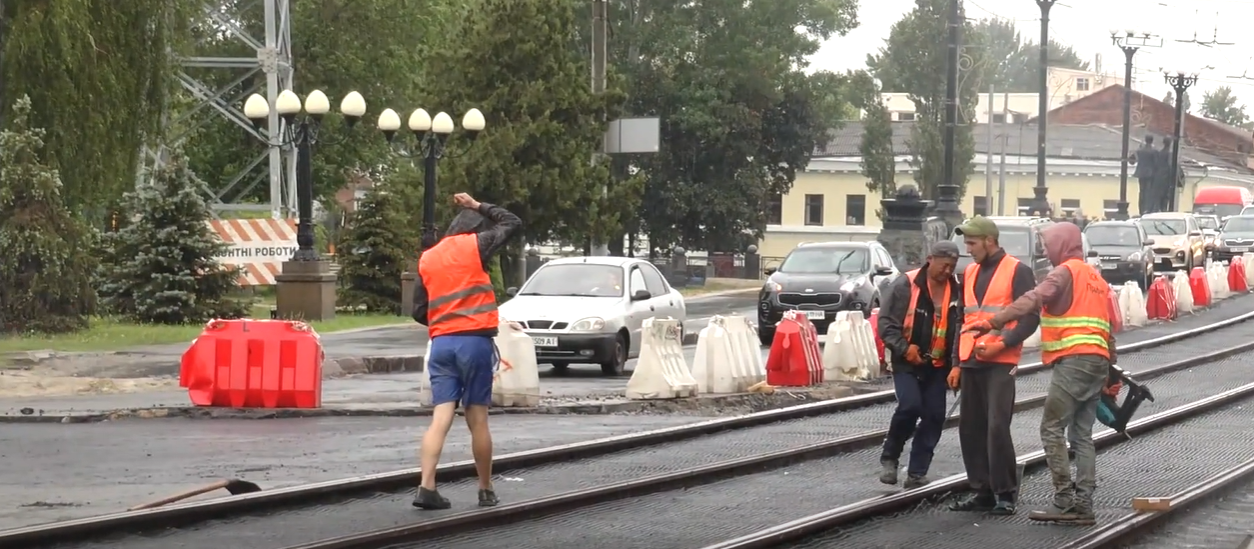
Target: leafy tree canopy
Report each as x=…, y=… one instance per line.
x=1220, y=104
x=1013, y=63
x=376, y=245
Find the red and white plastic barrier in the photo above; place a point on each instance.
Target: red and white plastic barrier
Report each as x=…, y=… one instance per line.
x=795, y=359
x=728, y=357
x=517, y=379
x=661, y=371
x=849, y=350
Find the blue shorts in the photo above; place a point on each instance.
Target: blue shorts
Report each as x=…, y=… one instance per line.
x=461, y=368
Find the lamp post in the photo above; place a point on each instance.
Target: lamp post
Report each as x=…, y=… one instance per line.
x=1180, y=81
x=306, y=286
x=1129, y=42
x=1041, y=192
x=430, y=143
x=947, y=191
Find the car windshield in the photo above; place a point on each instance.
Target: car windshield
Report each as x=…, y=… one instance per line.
x=825, y=261
x=1014, y=241
x=1221, y=210
x=1208, y=222
x=1164, y=227
x=1240, y=225
x=576, y=280
x=1247, y=210
x=1113, y=235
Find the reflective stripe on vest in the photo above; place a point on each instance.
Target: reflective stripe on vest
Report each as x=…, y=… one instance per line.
x=1084, y=329
x=460, y=297
x=998, y=296
x=940, y=327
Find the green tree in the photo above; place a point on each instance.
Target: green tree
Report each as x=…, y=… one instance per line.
x=516, y=61
x=1013, y=63
x=914, y=60
x=375, y=246
x=97, y=73
x=1220, y=104
x=879, y=162
x=161, y=266
x=44, y=281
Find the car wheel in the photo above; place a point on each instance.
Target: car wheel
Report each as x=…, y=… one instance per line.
x=618, y=362
x=560, y=368
x=766, y=336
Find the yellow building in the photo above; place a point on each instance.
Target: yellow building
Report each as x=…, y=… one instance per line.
x=830, y=200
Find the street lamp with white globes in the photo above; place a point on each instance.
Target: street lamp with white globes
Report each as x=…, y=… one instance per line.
x=1130, y=43
x=1180, y=81
x=430, y=142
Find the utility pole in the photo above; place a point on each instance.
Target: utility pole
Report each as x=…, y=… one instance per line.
x=988, y=157
x=947, y=191
x=1041, y=192
x=1129, y=42
x=600, y=54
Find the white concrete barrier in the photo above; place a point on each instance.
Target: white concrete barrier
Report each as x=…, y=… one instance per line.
x=1217, y=277
x=864, y=335
x=517, y=379
x=728, y=358
x=1184, y=293
x=661, y=371
x=1132, y=305
x=847, y=353
x=1246, y=260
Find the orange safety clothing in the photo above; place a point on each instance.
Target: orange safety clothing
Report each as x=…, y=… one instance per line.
x=940, y=322
x=459, y=291
x=1085, y=328
x=997, y=297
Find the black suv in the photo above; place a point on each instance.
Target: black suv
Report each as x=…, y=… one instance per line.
x=822, y=279
x=1235, y=238
x=1020, y=237
x=1125, y=251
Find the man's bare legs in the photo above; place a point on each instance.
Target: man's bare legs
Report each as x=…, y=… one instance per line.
x=480, y=444
x=433, y=441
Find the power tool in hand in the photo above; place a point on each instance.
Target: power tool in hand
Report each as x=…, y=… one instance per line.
x=1110, y=411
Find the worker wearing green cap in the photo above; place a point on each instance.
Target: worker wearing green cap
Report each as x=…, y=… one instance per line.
x=987, y=366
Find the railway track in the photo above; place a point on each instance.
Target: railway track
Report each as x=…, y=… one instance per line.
x=580, y=479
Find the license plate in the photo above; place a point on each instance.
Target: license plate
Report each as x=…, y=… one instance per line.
x=1108, y=266
x=1240, y=250
x=815, y=315
x=544, y=341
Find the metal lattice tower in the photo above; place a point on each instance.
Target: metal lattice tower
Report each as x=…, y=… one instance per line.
x=273, y=59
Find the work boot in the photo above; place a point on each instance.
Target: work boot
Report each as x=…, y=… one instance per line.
x=1005, y=505
x=431, y=500
x=888, y=471
x=1070, y=515
x=487, y=498
x=973, y=502
x=915, y=481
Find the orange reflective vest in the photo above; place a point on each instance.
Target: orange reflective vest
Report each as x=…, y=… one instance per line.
x=459, y=292
x=998, y=296
x=940, y=322
x=1085, y=328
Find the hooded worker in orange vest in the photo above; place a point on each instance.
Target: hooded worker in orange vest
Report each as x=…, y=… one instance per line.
x=919, y=323
x=1076, y=342
x=454, y=298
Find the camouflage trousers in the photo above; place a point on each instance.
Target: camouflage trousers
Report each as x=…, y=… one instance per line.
x=1070, y=413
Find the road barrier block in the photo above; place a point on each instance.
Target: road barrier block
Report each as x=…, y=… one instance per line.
x=254, y=364
x=879, y=343
x=1114, y=308
x=661, y=371
x=1199, y=285
x=1132, y=305
x=424, y=381
x=795, y=359
x=517, y=379
x=1217, y=279
x=844, y=350
x=1183, y=288
x=1247, y=259
x=1236, y=276
x=1162, y=302
x=728, y=357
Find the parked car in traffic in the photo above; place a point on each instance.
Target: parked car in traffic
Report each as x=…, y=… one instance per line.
x=590, y=310
x=1178, y=242
x=1020, y=237
x=1124, y=251
x=1210, y=228
x=1236, y=237
x=822, y=279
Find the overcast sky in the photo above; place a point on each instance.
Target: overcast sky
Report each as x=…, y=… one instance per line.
x=1085, y=25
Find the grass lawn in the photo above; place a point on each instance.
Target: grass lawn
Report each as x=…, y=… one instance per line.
x=110, y=335
x=721, y=285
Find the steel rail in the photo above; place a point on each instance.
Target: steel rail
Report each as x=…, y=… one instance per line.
x=194, y=512
x=868, y=508
x=1134, y=524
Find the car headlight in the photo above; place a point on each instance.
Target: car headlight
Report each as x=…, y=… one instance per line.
x=1180, y=242
x=849, y=286
x=772, y=286
x=1135, y=256
x=590, y=324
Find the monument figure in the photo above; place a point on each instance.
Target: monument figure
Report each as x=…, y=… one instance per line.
x=1145, y=158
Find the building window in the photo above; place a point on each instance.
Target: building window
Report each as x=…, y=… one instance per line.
x=1082, y=84
x=999, y=118
x=981, y=205
x=1069, y=206
x=814, y=209
x=905, y=117
x=1025, y=206
x=775, y=209
x=855, y=209
x=1110, y=208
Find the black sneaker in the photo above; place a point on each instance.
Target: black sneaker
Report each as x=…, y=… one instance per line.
x=487, y=498
x=915, y=481
x=973, y=502
x=888, y=471
x=431, y=500
x=1070, y=515
x=1004, y=507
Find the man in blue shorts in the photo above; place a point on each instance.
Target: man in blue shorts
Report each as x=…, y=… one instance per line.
x=453, y=297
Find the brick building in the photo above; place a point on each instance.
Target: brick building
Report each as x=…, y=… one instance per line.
x=1106, y=107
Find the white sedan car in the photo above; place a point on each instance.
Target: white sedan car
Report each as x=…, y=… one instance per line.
x=578, y=309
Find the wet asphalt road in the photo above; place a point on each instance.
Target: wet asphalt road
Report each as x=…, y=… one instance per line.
x=46, y=476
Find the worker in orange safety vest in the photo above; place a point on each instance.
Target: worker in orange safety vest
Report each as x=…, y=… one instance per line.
x=454, y=298
x=1076, y=342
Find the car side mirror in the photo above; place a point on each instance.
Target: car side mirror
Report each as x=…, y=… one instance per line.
x=883, y=271
x=770, y=271
x=1148, y=243
x=1093, y=253
x=641, y=295
x=511, y=291
x=1195, y=233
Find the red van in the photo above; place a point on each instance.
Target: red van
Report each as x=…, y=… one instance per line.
x=1222, y=201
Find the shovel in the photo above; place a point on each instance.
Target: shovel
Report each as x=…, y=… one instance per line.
x=233, y=485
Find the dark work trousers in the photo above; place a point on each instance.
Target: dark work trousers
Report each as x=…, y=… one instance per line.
x=920, y=413
x=988, y=451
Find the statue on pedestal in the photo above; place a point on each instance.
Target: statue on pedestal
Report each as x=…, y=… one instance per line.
x=1146, y=160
